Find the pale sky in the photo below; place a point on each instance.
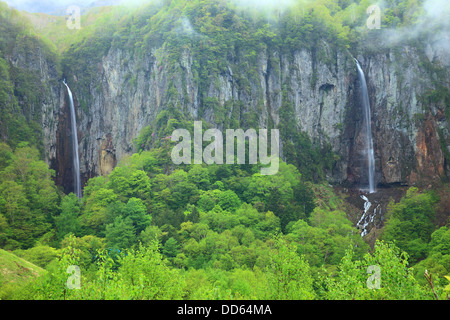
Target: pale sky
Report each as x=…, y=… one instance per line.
x=53, y=6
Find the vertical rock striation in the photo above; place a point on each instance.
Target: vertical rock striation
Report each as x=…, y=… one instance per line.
x=409, y=131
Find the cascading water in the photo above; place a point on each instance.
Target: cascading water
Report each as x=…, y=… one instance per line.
x=76, y=159
x=362, y=223
x=372, y=209
x=368, y=128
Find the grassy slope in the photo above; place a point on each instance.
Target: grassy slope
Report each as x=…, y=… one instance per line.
x=55, y=29
x=15, y=272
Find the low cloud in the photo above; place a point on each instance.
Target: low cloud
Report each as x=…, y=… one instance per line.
x=434, y=24
x=58, y=6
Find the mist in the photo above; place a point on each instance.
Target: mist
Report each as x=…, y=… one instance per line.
x=58, y=7
x=433, y=25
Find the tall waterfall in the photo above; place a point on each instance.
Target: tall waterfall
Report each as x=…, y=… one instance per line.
x=368, y=127
x=76, y=159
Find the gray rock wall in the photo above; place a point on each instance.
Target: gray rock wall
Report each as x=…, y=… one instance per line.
x=128, y=92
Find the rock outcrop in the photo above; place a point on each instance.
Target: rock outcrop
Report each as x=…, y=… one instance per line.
x=129, y=92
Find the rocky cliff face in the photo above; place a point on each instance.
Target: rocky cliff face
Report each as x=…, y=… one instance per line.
x=44, y=101
x=128, y=92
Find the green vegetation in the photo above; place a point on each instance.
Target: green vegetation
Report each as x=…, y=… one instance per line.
x=209, y=232
x=15, y=273
x=22, y=91
x=28, y=198
x=410, y=223
x=153, y=230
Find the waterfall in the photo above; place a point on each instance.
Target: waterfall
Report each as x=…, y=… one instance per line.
x=76, y=159
x=368, y=215
x=368, y=128
x=362, y=223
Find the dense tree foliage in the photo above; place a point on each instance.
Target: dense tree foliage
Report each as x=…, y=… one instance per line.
x=200, y=233
x=28, y=198
x=153, y=230
x=410, y=223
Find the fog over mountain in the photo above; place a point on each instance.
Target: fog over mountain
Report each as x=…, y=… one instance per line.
x=57, y=7
x=94, y=177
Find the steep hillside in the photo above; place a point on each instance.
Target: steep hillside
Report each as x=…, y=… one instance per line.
x=295, y=72
x=29, y=91
x=15, y=272
x=234, y=68
x=345, y=97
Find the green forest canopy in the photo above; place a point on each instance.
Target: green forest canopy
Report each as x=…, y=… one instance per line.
x=148, y=231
